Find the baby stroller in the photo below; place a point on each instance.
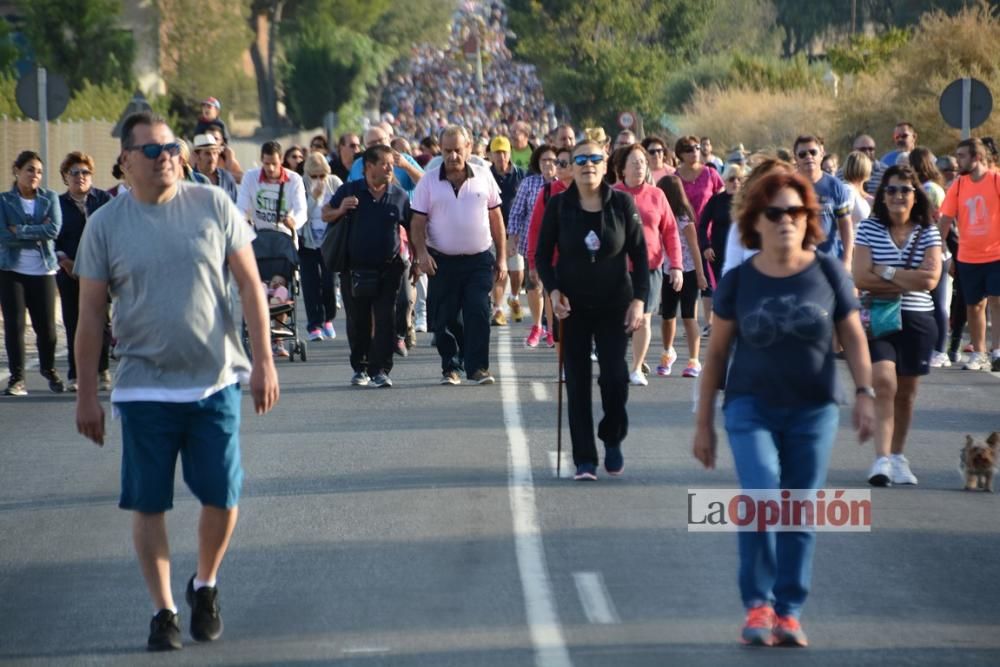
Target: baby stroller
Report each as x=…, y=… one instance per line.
x=276, y=256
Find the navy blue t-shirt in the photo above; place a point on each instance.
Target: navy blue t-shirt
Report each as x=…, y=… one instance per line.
x=784, y=331
x=374, y=235
x=835, y=201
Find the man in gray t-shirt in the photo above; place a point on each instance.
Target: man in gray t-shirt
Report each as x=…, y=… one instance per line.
x=167, y=251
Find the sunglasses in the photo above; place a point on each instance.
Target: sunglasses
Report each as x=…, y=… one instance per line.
x=905, y=190
x=776, y=213
x=153, y=151
x=595, y=158
x=76, y=171
x=690, y=149
x=654, y=151
x=562, y=163
x=904, y=135
x=810, y=151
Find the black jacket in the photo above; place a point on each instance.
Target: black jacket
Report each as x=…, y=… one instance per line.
x=601, y=281
x=74, y=221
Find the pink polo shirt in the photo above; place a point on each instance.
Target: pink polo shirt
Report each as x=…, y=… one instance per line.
x=458, y=223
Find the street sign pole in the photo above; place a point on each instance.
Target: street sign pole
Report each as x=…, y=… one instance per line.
x=966, y=107
x=43, y=124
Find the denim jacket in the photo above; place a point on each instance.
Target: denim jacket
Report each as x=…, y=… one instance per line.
x=38, y=232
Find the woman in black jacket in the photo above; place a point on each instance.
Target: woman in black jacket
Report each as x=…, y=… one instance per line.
x=78, y=203
x=596, y=231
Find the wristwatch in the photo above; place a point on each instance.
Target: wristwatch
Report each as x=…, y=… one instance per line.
x=865, y=391
x=888, y=273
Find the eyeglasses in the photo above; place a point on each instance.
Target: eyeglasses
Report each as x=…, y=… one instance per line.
x=905, y=190
x=654, y=151
x=865, y=149
x=776, y=214
x=806, y=152
x=690, y=149
x=562, y=163
x=153, y=151
x=595, y=158
x=77, y=171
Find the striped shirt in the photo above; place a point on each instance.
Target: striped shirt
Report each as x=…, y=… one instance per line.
x=874, y=235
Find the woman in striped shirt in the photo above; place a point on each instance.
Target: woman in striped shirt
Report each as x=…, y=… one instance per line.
x=899, y=254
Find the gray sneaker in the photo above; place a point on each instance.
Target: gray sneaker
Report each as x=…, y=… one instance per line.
x=360, y=379
x=977, y=362
x=482, y=377
x=381, y=381
x=450, y=377
x=15, y=388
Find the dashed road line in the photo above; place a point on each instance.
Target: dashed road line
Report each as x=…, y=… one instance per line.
x=594, y=598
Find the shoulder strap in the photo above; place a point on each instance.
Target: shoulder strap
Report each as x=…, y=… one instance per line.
x=277, y=212
x=546, y=193
x=913, y=247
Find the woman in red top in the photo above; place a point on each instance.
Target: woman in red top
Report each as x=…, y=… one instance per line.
x=663, y=244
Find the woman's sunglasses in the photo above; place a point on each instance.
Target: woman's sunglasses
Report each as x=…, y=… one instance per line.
x=905, y=190
x=776, y=213
x=595, y=158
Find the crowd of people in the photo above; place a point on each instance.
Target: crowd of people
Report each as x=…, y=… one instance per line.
x=436, y=220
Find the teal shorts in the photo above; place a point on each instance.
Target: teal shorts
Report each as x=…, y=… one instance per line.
x=206, y=435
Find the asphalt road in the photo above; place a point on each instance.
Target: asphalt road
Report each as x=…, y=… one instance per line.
x=423, y=525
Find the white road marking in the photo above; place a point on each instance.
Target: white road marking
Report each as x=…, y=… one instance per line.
x=543, y=619
x=566, y=469
x=594, y=597
x=540, y=392
x=364, y=650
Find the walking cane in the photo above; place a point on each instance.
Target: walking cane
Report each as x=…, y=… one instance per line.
x=559, y=402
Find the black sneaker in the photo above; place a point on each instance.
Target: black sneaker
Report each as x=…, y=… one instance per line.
x=15, y=388
x=164, y=632
x=995, y=364
x=381, y=381
x=55, y=382
x=614, y=461
x=206, y=622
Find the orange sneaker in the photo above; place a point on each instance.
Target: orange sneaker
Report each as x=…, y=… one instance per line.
x=788, y=632
x=758, y=629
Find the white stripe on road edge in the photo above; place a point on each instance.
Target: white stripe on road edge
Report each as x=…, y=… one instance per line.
x=566, y=469
x=543, y=620
x=594, y=597
x=538, y=389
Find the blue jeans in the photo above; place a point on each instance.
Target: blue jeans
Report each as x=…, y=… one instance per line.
x=778, y=448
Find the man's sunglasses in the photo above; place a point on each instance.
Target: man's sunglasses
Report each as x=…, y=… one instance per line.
x=810, y=151
x=595, y=158
x=905, y=190
x=776, y=213
x=153, y=151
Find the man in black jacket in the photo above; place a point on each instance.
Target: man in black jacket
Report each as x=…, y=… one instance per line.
x=375, y=208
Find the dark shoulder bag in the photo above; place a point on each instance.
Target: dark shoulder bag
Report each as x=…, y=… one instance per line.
x=333, y=249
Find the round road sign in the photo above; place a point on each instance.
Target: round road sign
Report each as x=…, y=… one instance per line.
x=56, y=98
x=980, y=103
x=626, y=119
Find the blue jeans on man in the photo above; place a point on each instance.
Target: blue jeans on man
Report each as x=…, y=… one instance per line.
x=778, y=448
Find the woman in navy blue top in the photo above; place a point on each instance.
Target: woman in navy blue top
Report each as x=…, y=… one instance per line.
x=777, y=314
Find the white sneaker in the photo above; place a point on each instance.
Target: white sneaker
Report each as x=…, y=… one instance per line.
x=940, y=360
x=637, y=379
x=881, y=472
x=420, y=325
x=977, y=362
x=901, y=473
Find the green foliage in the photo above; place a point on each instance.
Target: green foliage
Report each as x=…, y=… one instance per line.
x=606, y=56
x=104, y=102
x=8, y=102
x=204, y=58
x=864, y=53
x=330, y=68
x=8, y=51
x=78, y=40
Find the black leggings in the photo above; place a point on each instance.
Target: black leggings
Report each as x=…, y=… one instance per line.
x=69, y=296
x=37, y=296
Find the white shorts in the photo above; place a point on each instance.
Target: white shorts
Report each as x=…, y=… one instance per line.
x=515, y=263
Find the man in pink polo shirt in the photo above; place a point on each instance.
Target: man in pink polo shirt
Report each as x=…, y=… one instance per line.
x=456, y=220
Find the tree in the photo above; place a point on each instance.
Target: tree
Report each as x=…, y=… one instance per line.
x=8, y=50
x=80, y=40
x=200, y=57
x=606, y=56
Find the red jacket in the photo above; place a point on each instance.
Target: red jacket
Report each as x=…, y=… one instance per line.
x=535, y=226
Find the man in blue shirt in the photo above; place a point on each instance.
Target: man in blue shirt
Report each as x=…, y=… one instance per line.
x=905, y=138
x=406, y=171
x=835, y=199
x=206, y=162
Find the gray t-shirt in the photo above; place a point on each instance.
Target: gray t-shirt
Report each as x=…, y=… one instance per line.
x=166, y=268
